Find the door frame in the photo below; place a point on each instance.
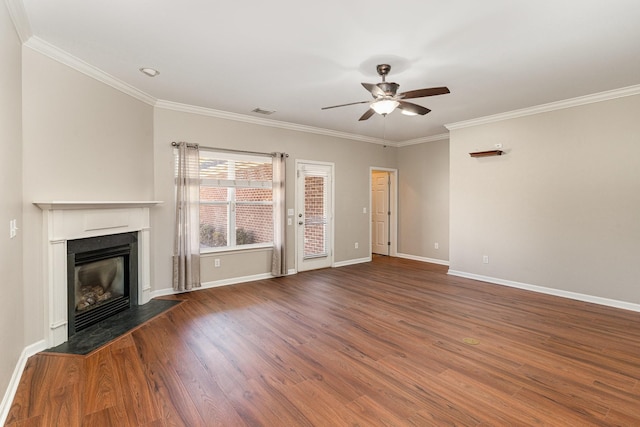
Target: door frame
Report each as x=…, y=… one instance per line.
x=393, y=205
x=297, y=207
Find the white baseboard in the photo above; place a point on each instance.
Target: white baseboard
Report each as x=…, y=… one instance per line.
x=27, y=352
x=423, y=259
x=215, y=284
x=351, y=262
x=550, y=291
x=235, y=280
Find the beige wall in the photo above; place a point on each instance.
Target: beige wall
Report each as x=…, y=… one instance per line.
x=423, y=194
x=83, y=140
x=352, y=162
x=561, y=209
x=11, y=303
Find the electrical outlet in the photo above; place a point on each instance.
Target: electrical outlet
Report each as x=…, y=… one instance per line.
x=356, y=245
x=485, y=259
x=364, y=210
x=436, y=246
x=216, y=262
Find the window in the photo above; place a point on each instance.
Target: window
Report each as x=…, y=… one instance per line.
x=236, y=201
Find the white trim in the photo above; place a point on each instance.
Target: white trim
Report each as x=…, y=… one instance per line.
x=215, y=284
x=185, y=108
x=21, y=23
x=51, y=205
x=236, y=280
x=254, y=247
x=37, y=44
x=552, y=106
x=164, y=292
x=63, y=221
x=57, y=54
x=423, y=259
x=394, y=209
x=332, y=235
x=292, y=271
x=10, y=393
x=422, y=140
x=20, y=19
x=549, y=291
x=351, y=262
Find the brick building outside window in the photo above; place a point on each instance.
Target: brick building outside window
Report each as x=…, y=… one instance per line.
x=236, y=201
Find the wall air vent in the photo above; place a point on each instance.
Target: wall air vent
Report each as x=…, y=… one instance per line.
x=261, y=111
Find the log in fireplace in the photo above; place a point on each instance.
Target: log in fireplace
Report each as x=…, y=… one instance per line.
x=102, y=277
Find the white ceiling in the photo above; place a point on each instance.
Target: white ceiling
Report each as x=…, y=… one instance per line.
x=297, y=56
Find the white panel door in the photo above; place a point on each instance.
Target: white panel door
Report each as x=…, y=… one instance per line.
x=314, y=216
x=380, y=213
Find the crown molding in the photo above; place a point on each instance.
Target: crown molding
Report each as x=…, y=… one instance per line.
x=37, y=44
x=20, y=20
x=185, y=108
x=552, y=106
x=432, y=138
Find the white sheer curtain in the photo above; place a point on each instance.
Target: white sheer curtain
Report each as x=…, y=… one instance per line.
x=279, y=260
x=186, y=254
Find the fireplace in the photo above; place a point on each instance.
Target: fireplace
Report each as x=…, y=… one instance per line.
x=102, y=278
x=68, y=221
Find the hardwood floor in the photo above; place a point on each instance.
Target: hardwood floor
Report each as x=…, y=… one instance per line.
x=373, y=344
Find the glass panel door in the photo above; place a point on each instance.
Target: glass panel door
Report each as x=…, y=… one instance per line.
x=314, y=215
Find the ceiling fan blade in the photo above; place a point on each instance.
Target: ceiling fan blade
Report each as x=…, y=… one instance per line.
x=344, y=105
x=419, y=93
x=412, y=108
x=367, y=114
x=374, y=89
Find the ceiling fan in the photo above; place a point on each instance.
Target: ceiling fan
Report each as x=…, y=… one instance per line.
x=385, y=98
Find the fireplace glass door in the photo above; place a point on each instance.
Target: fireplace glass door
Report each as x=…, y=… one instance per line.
x=98, y=282
x=102, y=278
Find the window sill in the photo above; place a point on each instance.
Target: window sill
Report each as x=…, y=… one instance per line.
x=245, y=248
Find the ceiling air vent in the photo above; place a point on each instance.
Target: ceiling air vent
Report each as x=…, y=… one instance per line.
x=261, y=111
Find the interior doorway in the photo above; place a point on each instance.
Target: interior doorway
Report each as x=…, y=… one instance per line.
x=383, y=208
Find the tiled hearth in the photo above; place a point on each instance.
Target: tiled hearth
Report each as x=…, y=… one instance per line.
x=64, y=221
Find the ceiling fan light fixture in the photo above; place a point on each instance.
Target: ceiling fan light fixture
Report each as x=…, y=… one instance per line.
x=386, y=99
x=384, y=106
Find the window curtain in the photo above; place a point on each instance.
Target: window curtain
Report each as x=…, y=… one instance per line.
x=279, y=260
x=186, y=254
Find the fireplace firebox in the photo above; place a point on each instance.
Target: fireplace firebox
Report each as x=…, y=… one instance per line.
x=102, y=278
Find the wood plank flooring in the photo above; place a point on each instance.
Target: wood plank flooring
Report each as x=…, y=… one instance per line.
x=375, y=344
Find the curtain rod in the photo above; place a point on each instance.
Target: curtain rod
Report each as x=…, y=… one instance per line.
x=229, y=150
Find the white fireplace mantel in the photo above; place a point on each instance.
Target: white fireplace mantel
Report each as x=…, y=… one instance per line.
x=58, y=205
x=69, y=220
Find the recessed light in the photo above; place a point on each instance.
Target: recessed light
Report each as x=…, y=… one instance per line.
x=149, y=71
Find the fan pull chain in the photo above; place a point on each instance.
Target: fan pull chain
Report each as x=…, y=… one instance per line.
x=384, y=129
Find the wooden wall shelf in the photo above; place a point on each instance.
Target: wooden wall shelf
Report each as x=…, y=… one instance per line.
x=487, y=153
